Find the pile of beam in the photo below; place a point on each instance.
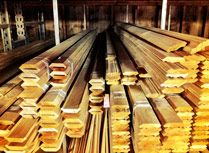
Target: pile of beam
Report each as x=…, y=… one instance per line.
x=112, y=68
x=129, y=72
x=145, y=123
x=119, y=119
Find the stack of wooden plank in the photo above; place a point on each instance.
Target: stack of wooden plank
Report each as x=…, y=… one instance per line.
x=129, y=72
x=112, y=69
x=23, y=137
x=170, y=76
x=64, y=67
x=174, y=134
x=36, y=75
x=146, y=125
x=197, y=98
x=119, y=119
x=50, y=105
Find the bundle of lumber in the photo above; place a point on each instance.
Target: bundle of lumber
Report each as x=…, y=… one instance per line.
x=119, y=119
x=129, y=72
x=197, y=98
x=194, y=43
x=204, y=71
x=170, y=76
x=166, y=43
x=36, y=75
x=174, y=134
x=64, y=67
x=112, y=69
x=75, y=109
x=50, y=105
x=23, y=140
x=145, y=123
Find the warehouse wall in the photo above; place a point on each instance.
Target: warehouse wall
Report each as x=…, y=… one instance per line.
x=186, y=19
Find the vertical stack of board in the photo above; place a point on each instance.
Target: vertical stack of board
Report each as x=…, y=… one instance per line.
x=119, y=119
x=184, y=111
x=173, y=135
x=196, y=98
x=129, y=72
x=204, y=71
x=112, y=69
x=23, y=140
x=146, y=126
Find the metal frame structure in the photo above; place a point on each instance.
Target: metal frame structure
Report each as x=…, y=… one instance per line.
x=5, y=30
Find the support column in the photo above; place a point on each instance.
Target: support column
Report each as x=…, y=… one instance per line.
x=5, y=31
x=41, y=25
x=163, y=14
x=169, y=18
x=56, y=22
x=127, y=14
x=84, y=17
x=19, y=22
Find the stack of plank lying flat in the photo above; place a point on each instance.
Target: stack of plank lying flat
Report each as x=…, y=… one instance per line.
x=119, y=119
x=174, y=134
x=146, y=125
x=112, y=68
x=129, y=72
x=197, y=98
x=23, y=137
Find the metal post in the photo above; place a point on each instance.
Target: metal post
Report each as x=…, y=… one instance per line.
x=169, y=18
x=127, y=14
x=84, y=17
x=5, y=32
x=43, y=26
x=56, y=22
x=163, y=14
x=20, y=26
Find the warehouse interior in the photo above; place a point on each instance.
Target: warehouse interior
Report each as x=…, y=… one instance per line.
x=104, y=76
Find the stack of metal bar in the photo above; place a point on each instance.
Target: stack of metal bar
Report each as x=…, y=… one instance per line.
x=112, y=68
x=119, y=119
